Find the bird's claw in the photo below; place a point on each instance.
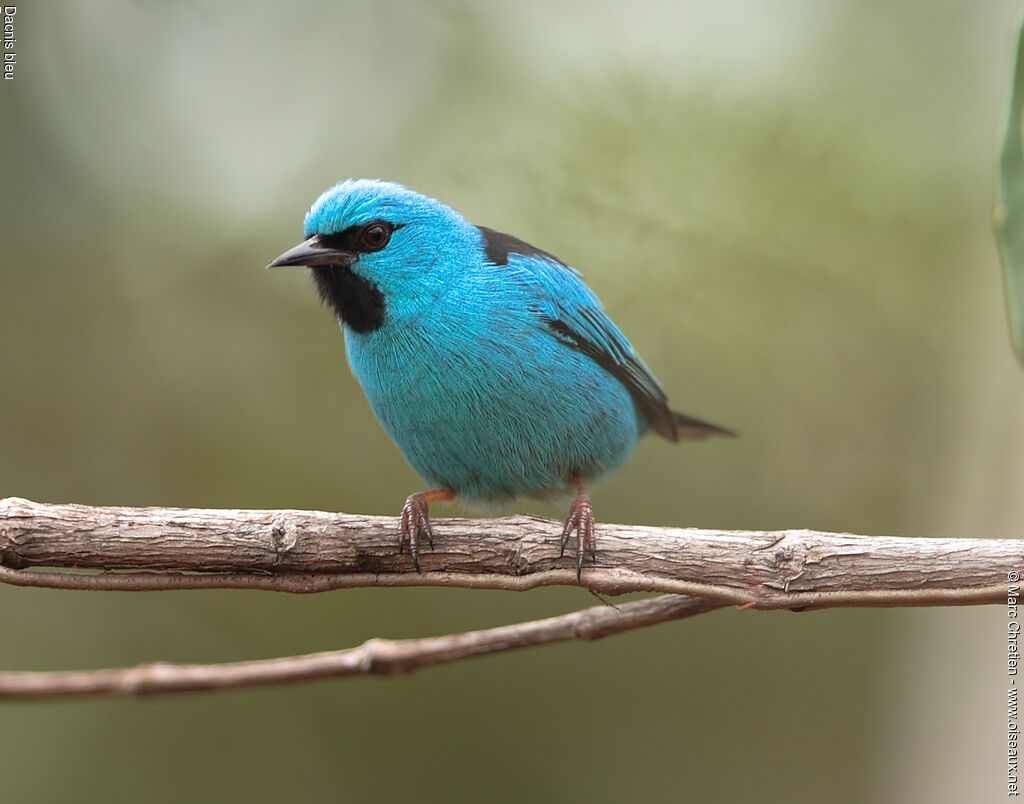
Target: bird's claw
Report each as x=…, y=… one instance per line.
x=581, y=520
x=415, y=522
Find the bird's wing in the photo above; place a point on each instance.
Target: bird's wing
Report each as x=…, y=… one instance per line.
x=581, y=322
x=572, y=313
x=587, y=328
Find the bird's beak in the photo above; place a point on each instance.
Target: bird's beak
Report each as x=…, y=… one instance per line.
x=312, y=252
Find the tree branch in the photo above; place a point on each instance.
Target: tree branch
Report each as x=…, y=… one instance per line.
x=307, y=551
x=140, y=549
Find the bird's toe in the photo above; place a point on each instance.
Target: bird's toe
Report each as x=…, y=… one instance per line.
x=415, y=522
x=581, y=521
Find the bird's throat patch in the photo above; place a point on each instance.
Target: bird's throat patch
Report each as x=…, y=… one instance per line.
x=357, y=302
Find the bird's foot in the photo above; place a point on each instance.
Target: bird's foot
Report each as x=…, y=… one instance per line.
x=581, y=520
x=415, y=521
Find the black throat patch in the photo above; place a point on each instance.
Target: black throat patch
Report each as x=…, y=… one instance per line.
x=358, y=303
x=498, y=245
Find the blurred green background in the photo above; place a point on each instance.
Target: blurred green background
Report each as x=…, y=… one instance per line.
x=786, y=205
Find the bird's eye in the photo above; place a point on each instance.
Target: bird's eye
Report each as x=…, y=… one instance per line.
x=375, y=236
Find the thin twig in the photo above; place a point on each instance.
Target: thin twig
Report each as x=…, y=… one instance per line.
x=606, y=581
x=376, y=656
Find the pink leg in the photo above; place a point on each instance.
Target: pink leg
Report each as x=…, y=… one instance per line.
x=415, y=521
x=581, y=519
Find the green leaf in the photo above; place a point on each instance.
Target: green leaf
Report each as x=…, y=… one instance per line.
x=1009, y=210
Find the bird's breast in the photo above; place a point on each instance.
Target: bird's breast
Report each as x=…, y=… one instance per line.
x=490, y=404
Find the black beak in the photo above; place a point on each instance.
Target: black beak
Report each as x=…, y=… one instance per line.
x=312, y=252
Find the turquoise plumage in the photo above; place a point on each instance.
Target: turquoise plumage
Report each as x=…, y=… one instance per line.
x=489, y=362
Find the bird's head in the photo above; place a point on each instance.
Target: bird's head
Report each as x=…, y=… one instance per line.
x=378, y=250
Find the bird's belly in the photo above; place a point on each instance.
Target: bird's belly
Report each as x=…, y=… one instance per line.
x=501, y=419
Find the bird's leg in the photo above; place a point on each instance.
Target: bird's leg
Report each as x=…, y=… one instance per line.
x=416, y=521
x=581, y=519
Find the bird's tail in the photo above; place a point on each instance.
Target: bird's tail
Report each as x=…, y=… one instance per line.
x=689, y=427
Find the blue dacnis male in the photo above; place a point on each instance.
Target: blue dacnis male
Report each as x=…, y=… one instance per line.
x=490, y=363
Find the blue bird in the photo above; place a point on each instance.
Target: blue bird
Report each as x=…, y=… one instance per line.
x=489, y=362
